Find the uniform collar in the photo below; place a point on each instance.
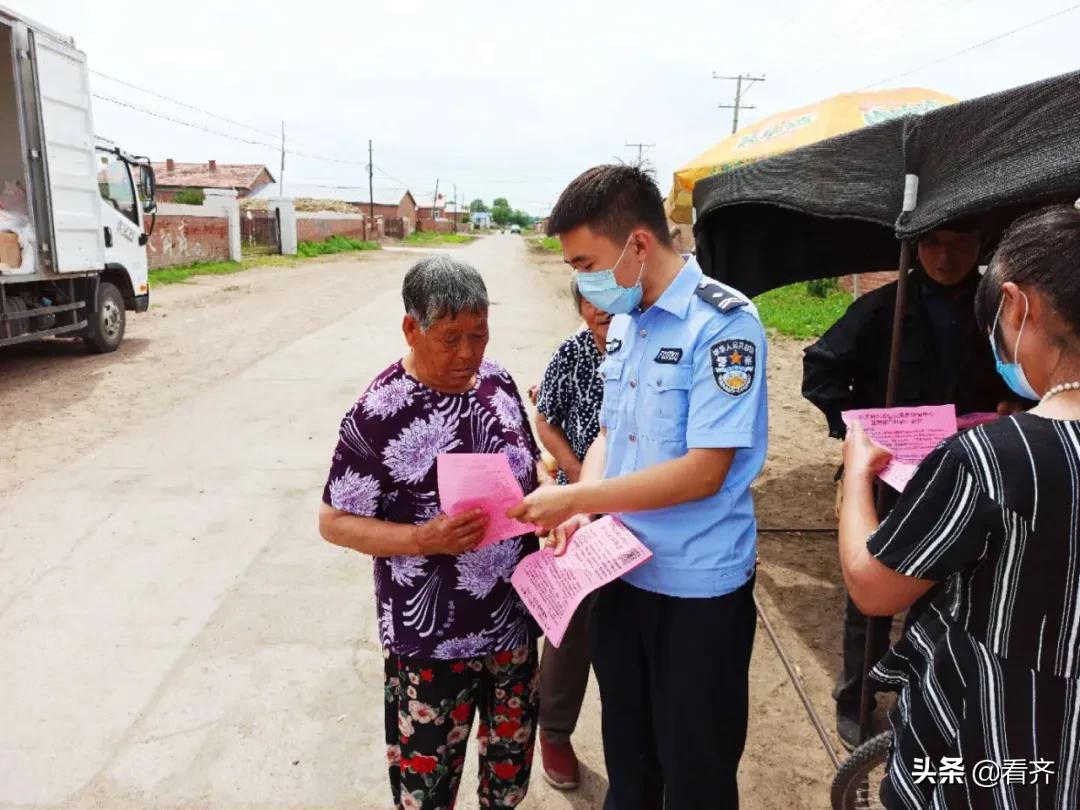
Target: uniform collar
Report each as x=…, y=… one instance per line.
x=676, y=298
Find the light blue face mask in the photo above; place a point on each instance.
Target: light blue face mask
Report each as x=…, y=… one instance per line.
x=602, y=290
x=1012, y=373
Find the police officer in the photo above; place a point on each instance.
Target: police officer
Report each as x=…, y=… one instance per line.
x=683, y=434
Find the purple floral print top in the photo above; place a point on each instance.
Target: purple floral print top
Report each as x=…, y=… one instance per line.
x=441, y=606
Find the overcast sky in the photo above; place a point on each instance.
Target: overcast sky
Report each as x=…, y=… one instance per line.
x=514, y=99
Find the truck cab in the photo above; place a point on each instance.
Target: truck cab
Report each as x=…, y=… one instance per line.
x=73, y=207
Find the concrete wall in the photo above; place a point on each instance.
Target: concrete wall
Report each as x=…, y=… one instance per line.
x=184, y=234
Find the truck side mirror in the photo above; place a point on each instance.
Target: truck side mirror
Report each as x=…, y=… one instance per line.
x=148, y=185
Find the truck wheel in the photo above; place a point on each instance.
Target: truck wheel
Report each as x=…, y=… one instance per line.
x=106, y=328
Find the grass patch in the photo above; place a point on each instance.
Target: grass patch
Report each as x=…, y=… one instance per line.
x=305, y=250
x=425, y=238
x=547, y=244
x=335, y=244
x=175, y=275
x=796, y=311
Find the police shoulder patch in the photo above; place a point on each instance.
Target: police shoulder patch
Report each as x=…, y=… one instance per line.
x=720, y=296
x=733, y=365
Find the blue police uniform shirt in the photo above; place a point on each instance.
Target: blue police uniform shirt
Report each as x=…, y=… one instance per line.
x=681, y=375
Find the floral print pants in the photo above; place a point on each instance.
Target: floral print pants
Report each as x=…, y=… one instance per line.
x=430, y=706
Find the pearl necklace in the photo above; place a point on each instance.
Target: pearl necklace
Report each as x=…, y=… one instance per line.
x=1057, y=389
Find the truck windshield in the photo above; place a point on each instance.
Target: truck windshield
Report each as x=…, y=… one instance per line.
x=114, y=182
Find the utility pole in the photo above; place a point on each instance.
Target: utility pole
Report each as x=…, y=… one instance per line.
x=738, y=105
x=281, y=177
x=640, y=147
x=370, y=186
x=435, y=200
x=457, y=208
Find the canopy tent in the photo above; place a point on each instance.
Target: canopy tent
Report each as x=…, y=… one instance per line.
x=1019, y=147
x=824, y=210
x=836, y=207
x=792, y=129
x=839, y=206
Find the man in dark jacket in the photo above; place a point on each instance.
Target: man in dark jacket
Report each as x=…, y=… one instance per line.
x=944, y=359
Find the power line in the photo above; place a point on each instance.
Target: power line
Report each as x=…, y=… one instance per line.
x=977, y=45
x=219, y=133
x=389, y=176
x=182, y=122
x=275, y=136
x=182, y=103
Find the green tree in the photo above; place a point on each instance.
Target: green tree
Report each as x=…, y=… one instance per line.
x=189, y=196
x=477, y=206
x=519, y=217
x=501, y=212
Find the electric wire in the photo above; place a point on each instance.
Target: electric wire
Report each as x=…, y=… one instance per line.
x=976, y=46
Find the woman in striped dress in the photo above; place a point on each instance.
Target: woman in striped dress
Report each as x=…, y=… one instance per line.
x=988, y=676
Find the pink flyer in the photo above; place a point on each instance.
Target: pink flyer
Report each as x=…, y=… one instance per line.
x=552, y=587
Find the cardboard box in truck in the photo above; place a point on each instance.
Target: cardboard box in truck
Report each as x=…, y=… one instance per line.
x=10, y=252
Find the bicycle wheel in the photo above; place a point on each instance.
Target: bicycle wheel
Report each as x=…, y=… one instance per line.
x=857, y=785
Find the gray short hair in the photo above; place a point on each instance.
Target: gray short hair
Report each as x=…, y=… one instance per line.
x=441, y=286
x=575, y=293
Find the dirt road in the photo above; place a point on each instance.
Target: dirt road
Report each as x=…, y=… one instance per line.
x=180, y=635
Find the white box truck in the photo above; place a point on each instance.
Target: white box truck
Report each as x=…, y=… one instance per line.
x=72, y=206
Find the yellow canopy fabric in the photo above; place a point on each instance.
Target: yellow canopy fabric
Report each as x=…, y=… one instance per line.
x=789, y=130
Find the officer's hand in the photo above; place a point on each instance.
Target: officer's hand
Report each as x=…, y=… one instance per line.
x=534, y=394
x=452, y=535
x=546, y=507
x=558, y=539
x=863, y=458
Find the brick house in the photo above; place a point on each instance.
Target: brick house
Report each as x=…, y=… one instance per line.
x=456, y=213
x=425, y=209
x=246, y=179
x=405, y=208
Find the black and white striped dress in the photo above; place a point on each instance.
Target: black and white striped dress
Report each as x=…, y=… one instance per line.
x=990, y=672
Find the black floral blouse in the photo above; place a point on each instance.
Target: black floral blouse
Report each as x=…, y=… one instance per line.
x=572, y=391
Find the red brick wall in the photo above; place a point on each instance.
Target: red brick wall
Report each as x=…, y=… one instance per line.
x=319, y=230
x=435, y=225
x=382, y=210
x=184, y=240
x=868, y=282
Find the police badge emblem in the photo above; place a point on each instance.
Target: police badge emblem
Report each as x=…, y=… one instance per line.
x=733, y=365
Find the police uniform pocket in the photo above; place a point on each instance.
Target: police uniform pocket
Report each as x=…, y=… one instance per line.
x=612, y=372
x=667, y=401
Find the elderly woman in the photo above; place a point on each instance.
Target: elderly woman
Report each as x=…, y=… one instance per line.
x=989, y=673
x=568, y=421
x=455, y=636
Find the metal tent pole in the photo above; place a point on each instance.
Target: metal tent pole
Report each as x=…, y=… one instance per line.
x=911, y=190
x=867, y=696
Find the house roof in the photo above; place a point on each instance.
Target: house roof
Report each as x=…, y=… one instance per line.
x=424, y=201
x=199, y=175
x=357, y=195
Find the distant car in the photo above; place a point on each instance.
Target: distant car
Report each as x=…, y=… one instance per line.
x=515, y=229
